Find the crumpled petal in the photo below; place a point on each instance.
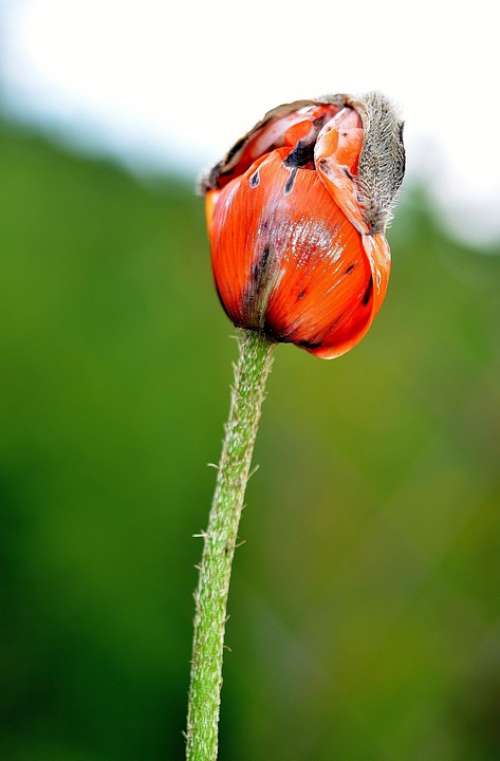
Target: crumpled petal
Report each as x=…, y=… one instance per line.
x=275, y=130
x=336, y=156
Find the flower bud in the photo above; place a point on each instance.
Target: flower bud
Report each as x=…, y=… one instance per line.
x=296, y=215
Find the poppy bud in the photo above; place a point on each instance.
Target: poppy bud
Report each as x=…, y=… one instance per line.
x=296, y=215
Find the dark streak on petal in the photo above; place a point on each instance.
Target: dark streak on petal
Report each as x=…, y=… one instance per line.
x=291, y=180
x=309, y=344
x=255, y=298
x=302, y=154
x=350, y=268
x=301, y=295
x=254, y=179
x=367, y=294
x=259, y=268
x=275, y=335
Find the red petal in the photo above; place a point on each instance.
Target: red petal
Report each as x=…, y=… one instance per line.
x=344, y=337
x=336, y=154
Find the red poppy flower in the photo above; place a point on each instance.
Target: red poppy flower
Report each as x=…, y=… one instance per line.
x=296, y=215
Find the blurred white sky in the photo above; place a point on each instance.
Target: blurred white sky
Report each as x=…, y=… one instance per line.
x=175, y=83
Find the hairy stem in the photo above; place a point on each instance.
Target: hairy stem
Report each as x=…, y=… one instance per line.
x=250, y=375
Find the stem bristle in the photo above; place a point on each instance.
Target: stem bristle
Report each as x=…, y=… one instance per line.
x=220, y=542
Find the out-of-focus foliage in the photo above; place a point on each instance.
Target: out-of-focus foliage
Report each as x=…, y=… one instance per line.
x=365, y=611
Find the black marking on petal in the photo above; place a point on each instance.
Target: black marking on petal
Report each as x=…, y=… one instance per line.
x=302, y=154
x=254, y=179
x=350, y=268
x=301, y=295
x=309, y=344
x=259, y=268
x=291, y=180
x=367, y=294
x=257, y=291
x=274, y=333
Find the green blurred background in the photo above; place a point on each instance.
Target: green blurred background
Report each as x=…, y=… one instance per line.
x=365, y=616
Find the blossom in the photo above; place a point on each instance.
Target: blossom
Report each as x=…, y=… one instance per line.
x=297, y=213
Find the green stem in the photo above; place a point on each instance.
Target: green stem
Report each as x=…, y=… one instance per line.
x=250, y=375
